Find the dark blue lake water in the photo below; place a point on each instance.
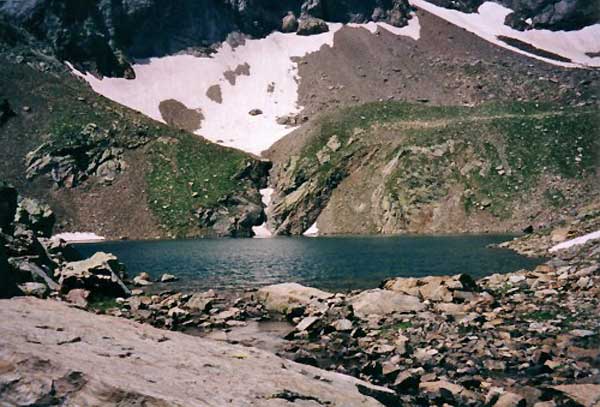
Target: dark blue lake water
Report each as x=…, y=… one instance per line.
x=334, y=263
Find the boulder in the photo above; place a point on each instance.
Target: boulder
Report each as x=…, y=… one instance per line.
x=384, y=302
x=289, y=24
x=167, y=278
x=433, y=288
x=584, y=394
x=101, y=274
x=509, y=399
x=286, y=297
x=34, y=289
x=201, y=301
x=312, y=26
x=78, y=297
x=342, y=325
x=308, y=323
x=142, y=279
x=36, y=216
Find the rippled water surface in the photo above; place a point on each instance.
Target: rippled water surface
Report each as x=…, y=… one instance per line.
x=335, y=263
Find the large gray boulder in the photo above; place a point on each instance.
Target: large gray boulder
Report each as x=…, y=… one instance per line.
x=101, y=274
x=384, y=302
x=102, y=36
x=284, y=298
x=59, y=355
x=289, y=24
x=312, y=26
x=36, y=216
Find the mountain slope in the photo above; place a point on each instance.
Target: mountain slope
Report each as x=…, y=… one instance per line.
x=393, y=167
x=107, y=169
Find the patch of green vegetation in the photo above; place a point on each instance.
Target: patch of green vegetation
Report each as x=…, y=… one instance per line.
x=187, y=173
x=555, y=197
x=540, y=315
x=496, y=152
x=103, y=304
x=67, y=115
x=394, y=328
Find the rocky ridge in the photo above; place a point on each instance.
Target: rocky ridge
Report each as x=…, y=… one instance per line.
x=548, y=14
x=101, y=37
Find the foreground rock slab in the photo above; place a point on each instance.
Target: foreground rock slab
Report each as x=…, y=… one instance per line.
x=52, y=354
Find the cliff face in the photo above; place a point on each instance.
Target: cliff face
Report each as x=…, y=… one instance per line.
x=549, y=14
x=99, y=36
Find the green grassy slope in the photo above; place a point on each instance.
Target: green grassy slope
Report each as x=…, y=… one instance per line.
x=495, y=155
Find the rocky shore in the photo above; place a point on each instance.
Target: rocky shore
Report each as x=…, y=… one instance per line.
x=528, y=338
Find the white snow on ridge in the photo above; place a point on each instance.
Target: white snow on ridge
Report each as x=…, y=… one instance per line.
x=488, y=23
x=575, y=242
x=271, y=86
x=73, y=237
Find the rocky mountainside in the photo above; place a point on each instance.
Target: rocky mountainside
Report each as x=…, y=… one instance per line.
x=102, y=36
x=549, y=14
x=391, y=167
x=107, y=169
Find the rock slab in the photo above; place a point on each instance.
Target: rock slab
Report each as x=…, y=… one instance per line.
x=52, y=352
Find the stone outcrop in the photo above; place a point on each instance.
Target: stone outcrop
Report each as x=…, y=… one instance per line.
x=102, y=274
x=35, y=216
x=32, y=263
x=546, y=14
x=285, y=298
x=62, y=356
x=74, y=154
x=102, y=36
x=312, y=26
x=384, y=302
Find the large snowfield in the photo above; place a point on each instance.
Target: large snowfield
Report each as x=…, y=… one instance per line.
x=267, y=80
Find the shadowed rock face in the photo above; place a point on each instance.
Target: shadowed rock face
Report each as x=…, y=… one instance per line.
x=99, y=36
x=550, y=14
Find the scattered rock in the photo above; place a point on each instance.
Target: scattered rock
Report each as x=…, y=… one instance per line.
x=289, y=24
x=384, y=302
x=34, y=289
x=284, y=298
x=167, y=278
x=100, y=274
x=78, y=297
x=311, y=26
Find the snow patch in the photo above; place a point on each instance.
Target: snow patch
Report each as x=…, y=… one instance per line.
x=270, y=86
x=312, y=231
x=73, y=237
x=488, y=23
x=412, y=29
x=576, y=242
x=262, y=231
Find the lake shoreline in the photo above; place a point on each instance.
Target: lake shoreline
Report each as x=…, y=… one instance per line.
x=514, y=339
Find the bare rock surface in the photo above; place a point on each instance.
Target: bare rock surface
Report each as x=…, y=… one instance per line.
x=51, y=354
x=284, y=297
